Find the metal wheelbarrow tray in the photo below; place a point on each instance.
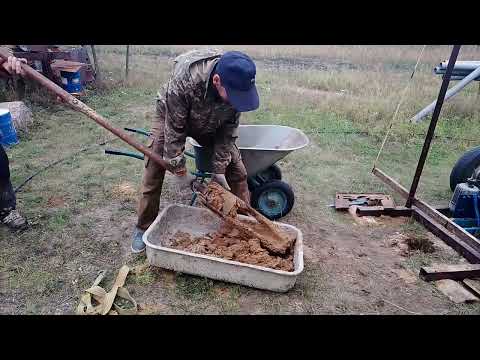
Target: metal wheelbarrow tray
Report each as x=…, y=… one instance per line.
x=261, y=146
x=199, y=221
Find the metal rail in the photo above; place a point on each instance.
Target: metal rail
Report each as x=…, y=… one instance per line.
x=433, y=125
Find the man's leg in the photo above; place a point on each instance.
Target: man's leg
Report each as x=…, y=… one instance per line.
x=236, y=175
x=8, y=213
x=152, y=182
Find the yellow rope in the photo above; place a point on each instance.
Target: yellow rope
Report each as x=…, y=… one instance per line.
x=402, y=98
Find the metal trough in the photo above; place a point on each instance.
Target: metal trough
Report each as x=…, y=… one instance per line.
x=197, y=222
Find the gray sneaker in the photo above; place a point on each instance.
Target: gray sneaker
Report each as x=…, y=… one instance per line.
x=138, y=245
x=14, y=220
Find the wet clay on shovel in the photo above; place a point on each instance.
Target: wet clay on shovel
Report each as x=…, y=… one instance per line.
x=226, y=205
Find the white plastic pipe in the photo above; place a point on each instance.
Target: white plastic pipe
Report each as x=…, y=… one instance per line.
x=453, y=91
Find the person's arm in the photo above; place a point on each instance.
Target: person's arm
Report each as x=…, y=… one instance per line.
x=176, y=115
x=224, y=142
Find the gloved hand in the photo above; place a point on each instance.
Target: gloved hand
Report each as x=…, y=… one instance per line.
x=179, y=165
x=221, y=179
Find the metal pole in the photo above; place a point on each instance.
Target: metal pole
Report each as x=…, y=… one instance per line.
x=98, y=75
x=126, y=63
x=453, y=91
x=433, y=124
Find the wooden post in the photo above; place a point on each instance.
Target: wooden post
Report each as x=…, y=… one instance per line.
x=126, y=63
x=98, y=75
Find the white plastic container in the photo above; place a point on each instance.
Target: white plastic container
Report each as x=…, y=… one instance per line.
x=199, y=221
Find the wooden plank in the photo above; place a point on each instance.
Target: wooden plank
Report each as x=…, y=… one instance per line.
x=455, y=291
x=448, y=224
x=464, y=249
x=473, y=286
x=452, y=272
x=343, y=200
x=444, y=210
x=380, y=210
x=439, y=218
x=391, y=182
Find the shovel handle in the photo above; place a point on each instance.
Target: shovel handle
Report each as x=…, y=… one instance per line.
x=84, y=109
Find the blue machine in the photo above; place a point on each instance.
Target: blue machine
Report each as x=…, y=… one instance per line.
x=8, y=134
x=71, y=81
x=465, y=206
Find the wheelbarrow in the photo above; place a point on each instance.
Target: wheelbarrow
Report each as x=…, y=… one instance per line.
x=261, y=147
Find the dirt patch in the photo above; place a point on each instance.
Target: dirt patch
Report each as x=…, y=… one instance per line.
x=420, y=243
x=124, y=191
x=407, y=243
x=56, y=201
x=231, y=244
x=406, y=275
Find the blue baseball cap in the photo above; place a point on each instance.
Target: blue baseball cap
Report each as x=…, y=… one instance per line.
x=237, y=75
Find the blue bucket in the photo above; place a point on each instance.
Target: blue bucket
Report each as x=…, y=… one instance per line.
x=8, y=134
x=71, y=81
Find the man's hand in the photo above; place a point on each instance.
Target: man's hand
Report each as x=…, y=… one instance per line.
x=221, y=179
x=13, y=65
x=179, y=165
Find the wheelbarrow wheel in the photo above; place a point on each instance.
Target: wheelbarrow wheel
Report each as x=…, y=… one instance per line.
x=273, y=199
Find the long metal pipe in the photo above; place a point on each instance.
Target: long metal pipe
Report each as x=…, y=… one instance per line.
x=461, y=65
x=453, y=91
x=438, y=70
x=458, y=77
x=433, y=125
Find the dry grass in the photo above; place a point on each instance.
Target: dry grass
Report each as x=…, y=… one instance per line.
x=374, y=55
x=361, y=84
x=341, y=96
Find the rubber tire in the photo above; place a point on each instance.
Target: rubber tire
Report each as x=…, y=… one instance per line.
x=464, y=167
x=279, y=186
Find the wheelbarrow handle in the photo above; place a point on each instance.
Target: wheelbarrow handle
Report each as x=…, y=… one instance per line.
x=138, y=131
x=124, y=153
x=189, y=154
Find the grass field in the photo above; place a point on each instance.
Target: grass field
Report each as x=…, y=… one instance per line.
x=83, y=209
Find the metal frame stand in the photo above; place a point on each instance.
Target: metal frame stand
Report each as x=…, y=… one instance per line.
x=439, y=224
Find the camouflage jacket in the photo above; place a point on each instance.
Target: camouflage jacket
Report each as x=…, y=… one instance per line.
x=193, y=108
